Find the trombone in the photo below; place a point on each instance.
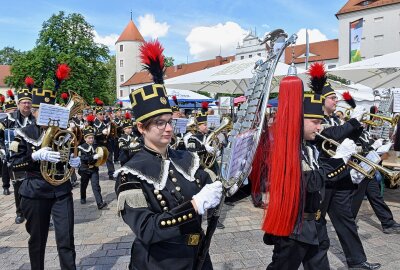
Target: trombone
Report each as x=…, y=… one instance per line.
x=394, y=176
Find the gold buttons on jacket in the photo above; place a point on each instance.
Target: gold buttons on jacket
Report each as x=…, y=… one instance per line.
x=184, y=217
x=163, y=203
x=173, y=221
x=169, y=222
x=179, y=219
x=156, y=192
x=178, y=188
x=174, y=179
x=165, y=208
x=159, y=197
x=190, y=215
x=171, y=171
x=163, y=223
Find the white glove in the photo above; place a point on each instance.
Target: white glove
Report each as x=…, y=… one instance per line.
x=97, y=156
x=358, y=112
x=345, y=150
x=2, y=152
x=208, y=197
x=378, y=143
x=210, y=149
x=356, y=176
x=74, y=162
x=384, y=148
x=191, y=145
x=47, y=155
x=105, y=131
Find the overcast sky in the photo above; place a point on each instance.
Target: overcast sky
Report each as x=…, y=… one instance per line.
x=189, y=29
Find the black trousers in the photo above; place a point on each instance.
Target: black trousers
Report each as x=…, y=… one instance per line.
x=116, y=149
x=17, y=197
x=37, y=213
x=337, y=204
x=289, y=254
x=94, y=180
x=110, y=159
x=5, y=176
x=370, y=188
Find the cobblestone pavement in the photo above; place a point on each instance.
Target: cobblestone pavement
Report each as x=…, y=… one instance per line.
x=103, y=240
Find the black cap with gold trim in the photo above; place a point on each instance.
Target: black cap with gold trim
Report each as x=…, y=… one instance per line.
x=327, y=90
x=10, y=103
x=88, y=131
x=312, y=106
x=151, y=100
x=40, y=95
x=127, y=123
x=99, y=105
x=26, y=93
x=201, y=118
x=175, y=108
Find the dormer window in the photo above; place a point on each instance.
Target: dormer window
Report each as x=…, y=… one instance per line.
x=366, y=2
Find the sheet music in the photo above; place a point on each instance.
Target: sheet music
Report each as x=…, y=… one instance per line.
x=213, y=121
x=56, y=113
x=180, y=125
x=396, y=101
x=240, y=151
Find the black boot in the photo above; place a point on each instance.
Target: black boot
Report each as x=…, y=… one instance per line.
x=101, y=205
x=19, y=219
x=366, y=265
x=6, y=191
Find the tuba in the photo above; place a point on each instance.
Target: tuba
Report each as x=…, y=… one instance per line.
x=61, y=141
x=208, y=159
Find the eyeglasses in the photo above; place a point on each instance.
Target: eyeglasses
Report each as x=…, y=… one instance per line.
x=162, y=124
x=25, y=103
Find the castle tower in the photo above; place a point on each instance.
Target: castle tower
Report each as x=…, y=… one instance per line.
x=127, y=56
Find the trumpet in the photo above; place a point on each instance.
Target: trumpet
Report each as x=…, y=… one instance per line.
x=380, y=119
x=394, y=176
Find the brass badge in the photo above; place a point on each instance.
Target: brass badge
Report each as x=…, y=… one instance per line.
x=163, y=100
x=193, y=239
x=46, y=99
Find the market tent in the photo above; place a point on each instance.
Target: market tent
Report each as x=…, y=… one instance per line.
x=378, y=72
x=181, y=95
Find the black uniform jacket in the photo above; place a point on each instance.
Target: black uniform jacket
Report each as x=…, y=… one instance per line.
x=352, y=129
x=86, y=152
x=154, y=198
x=196, y=144
x=12, y=121
x=126, y=152
x=28, y=140
x=100, y=138
x=317, y=171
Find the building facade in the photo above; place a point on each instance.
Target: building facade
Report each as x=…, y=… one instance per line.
x=251, y=47
x=380, y=33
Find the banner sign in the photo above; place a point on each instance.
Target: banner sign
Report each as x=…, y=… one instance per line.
x=355, y=40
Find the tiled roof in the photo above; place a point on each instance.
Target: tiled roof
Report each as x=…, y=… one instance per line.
x=177, y=70
x=130, y=33
x=319, y=51
x=356, y=5
x=4, y=72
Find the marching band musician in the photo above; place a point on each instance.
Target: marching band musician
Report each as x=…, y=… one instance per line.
x=338, y=195
x=118, y=122
x=176, y=113
x=15, y=119
x=162, y=193
x=40, y=199
x=128, y=143
x=296, y=181
x=370, y=187
x=88, y=171
x=102, y=136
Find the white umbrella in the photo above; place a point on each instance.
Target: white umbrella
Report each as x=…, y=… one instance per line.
x=378, y=72
x=181, y=95
x=229, y=78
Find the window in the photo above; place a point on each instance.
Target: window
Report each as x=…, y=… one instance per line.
x=331, y=66
x=121, y=78
x=121, y=93
x=121, y=48
x=259, y=54
x=378, y=37
x=250, y=56
x=121, y=63
x=242, y=57
x=366, y=2
x=378, y=19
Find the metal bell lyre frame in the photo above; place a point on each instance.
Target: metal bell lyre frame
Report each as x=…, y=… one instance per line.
x=292, y=71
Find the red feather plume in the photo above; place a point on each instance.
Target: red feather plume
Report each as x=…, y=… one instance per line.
x=349, y=99
x=127, y=115
x=204, y=105
x=174, y=98
x=151, y=55
x=29, y=82
x=2, y=99
x=64, y=96
x=62, y=72
x=317, y=77
x=90, y=118
x=10, y=94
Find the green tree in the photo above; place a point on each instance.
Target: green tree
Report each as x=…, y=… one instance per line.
x=169, y=61
x=66, y=39
x=8, y=55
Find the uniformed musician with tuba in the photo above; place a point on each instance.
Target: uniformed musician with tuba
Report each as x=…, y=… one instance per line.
x=40, y=198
